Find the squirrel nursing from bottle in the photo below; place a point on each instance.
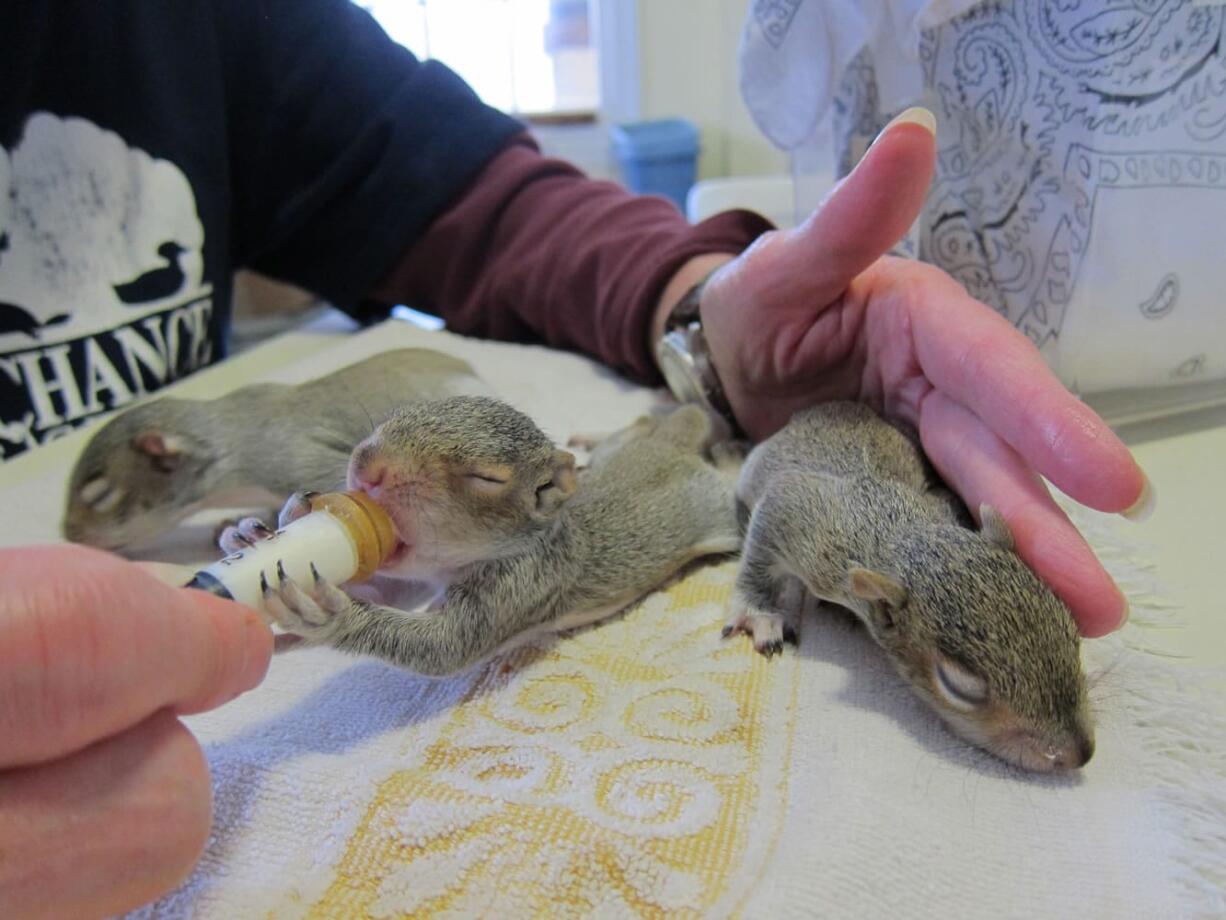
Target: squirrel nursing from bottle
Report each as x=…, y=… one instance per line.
x=514, y=540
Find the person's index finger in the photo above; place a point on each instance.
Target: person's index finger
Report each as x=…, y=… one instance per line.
x=241, y=644
x=90, y=644
x=976, y=357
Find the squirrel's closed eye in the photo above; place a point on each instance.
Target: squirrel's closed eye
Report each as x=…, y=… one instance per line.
x=959, y=686
x=485, y=477
x=488, y=480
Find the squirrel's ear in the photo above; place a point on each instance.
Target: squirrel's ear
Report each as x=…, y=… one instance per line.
x=873, y=586
x=561, y=485
x=166, y=450
x=995, y=527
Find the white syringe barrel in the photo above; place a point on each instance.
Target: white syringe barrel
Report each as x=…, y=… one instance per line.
x=346, y=536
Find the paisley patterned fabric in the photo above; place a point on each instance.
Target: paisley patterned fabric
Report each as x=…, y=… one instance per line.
x=1081, y=178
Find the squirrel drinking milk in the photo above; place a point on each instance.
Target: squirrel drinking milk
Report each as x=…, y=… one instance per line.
x=154, y=465
x=515, y=541
x=844, y=506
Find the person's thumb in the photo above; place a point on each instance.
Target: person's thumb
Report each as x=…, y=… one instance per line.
x=868, y=211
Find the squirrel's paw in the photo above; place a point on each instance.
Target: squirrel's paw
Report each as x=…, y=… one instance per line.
x=768, y=630
x=313, y=614
x=295, y=506
x=241, y=536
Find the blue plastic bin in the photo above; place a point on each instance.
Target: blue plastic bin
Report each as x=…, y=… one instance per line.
x=658, y=157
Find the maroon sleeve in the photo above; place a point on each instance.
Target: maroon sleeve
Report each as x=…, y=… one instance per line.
x=536, y=251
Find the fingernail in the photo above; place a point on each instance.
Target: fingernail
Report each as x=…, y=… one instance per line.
x=1144, y=506
x=916, y=115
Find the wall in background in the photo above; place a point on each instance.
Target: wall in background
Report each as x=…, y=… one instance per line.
x=674, y=59
x=688, y=68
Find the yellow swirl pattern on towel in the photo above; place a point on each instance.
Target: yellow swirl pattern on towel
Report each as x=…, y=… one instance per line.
x=636, y=768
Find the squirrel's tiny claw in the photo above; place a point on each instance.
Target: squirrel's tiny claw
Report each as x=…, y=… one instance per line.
x=789, y=635
x=772, y=648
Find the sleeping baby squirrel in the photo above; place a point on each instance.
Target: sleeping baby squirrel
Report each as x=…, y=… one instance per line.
x=845, y=504
x=518, y=543
x=159, y=462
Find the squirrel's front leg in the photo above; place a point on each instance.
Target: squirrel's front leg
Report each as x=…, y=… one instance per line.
x=766, y=603
x=441, y=641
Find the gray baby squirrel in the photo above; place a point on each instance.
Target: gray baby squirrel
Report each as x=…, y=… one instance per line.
x=515, y=541
x=846, y=505
x=161, y=461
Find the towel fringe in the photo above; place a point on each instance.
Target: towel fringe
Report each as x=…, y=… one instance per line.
x=1174, y=709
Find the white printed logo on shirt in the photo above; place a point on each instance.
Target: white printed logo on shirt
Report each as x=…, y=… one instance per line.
x=102, y=296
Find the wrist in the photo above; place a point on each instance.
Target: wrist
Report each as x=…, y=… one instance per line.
x=689, y=274
x=684, y=357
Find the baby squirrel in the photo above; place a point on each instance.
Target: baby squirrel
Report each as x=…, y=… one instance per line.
x=845, y=505
x=516, y=541
x=159, y=462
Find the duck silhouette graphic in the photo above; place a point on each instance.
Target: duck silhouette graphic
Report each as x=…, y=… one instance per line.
x=157, y=283
x=17, y=319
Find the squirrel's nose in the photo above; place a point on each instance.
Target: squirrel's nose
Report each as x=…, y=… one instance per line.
x=367, y=469
x=371, y=476
x=1076, y=753
x=1072, y=752
x=1047, y=755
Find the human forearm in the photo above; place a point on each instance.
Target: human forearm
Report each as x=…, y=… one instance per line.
x=536, y=251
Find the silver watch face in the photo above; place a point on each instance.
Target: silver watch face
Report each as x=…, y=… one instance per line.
x=677, y=366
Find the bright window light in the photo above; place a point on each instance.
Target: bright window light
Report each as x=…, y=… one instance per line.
x=529, y=57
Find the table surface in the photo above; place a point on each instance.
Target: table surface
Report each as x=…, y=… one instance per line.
x=1184, y=457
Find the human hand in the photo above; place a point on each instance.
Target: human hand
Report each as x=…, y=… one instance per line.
x=105, y=799
x=818, y=313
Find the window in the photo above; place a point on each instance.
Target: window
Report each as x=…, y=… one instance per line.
x=529, y=57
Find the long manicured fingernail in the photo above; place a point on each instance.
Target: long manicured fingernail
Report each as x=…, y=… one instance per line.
x=1144, y=506
x=916, y=115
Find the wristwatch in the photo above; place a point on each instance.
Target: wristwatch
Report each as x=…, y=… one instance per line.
x=685, y=360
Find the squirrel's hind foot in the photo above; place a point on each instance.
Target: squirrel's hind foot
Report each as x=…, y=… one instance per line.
x=768, y=631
